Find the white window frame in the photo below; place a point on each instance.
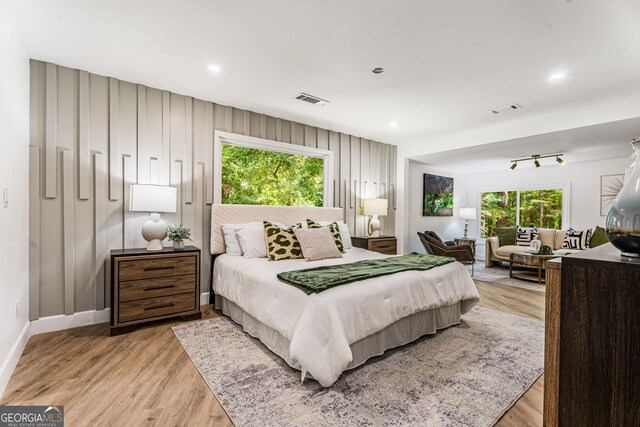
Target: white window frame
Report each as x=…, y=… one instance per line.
x=220, y=138
x=566, y=202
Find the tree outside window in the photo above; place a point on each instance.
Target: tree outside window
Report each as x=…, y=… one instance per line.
x=262, y=177
x=527, y=208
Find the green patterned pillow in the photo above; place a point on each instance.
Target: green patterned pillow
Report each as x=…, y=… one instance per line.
x=598, y=237
x=334, y=228
x=282, y=243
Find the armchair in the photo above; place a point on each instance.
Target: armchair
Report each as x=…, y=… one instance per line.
x=434, y=245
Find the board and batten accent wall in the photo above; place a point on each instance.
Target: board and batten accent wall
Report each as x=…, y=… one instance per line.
x=93, y=136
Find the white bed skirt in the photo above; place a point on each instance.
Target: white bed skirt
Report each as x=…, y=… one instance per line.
x=402, y=332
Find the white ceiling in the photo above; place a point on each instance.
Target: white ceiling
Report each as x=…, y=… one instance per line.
x=598, y=142
x=447, y=62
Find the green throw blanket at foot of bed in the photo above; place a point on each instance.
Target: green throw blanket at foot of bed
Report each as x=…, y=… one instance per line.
x=320, y=279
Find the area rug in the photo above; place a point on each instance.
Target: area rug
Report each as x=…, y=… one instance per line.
x=500, y=276
x=465, y=375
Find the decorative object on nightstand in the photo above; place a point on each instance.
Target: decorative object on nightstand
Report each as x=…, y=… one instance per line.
x=466, y=241
x=381, y=244
x=623, y=218
x=467, y=214
x=375, y=208
x=178, y=234
x=154, y=199
x=151, y=286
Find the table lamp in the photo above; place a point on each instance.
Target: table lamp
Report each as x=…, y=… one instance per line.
x=467, y=214
x=154, y=199
x=374, y=207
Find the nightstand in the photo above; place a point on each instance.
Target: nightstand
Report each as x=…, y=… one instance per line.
x=382, y=244
x=148, y=286
x=466, y=241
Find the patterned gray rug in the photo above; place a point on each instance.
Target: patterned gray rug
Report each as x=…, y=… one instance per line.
x=465, y=375
x=500, y=276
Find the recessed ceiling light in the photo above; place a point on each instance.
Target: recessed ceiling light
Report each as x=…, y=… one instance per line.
x=393, y=124
x=214, y=68
x=557, y=76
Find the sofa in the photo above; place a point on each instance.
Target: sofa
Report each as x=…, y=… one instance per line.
x=495, y=253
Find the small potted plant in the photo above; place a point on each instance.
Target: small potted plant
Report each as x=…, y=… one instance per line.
x=178, y=234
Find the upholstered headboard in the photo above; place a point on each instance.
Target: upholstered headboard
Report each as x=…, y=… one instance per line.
x=240, y=214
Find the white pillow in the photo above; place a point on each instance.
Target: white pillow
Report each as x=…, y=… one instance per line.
x=317, y=243
x=231, y=240
x=252, y=240
x=344, y=232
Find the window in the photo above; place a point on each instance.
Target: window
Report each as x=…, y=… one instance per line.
x=527, y=208
x=256, y=171
x=261, y=177
x=499, y=209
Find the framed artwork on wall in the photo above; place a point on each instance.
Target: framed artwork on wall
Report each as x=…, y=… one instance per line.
x=437, y=195
x=610, y=186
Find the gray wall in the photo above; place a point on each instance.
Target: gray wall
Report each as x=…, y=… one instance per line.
x=94, y=136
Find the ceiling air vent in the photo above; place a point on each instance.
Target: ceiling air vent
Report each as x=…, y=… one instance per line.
x=507, y=108
x=311, y=99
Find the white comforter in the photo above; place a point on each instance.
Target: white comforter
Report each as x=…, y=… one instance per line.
x=322, y=326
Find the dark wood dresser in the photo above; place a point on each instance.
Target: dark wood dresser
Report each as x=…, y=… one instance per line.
x=592, y=341
x=382, y=244
x=148, y=286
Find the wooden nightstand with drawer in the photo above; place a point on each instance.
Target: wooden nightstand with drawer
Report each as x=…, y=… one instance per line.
x=148, y=286
x=382, y=244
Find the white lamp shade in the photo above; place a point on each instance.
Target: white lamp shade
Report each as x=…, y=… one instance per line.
x=152, y=198
x=467, y=213
x=375, y=207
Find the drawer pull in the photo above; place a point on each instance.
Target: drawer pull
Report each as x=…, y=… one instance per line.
x=153, y=288
x=170, y=267
x=159, y=306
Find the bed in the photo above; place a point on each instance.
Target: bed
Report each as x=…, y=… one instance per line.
x=324, y=334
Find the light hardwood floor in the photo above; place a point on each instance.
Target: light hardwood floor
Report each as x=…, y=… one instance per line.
x=145, y=377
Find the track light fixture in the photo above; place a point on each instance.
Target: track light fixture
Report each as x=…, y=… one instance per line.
x=536, y=159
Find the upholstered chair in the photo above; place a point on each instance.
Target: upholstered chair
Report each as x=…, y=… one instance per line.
x=434, y=245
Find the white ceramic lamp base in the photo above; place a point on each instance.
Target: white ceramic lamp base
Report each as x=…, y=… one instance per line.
x=374, y=226
x=154, y=231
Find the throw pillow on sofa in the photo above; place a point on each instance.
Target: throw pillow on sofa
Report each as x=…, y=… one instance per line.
x=506, y=235
x=524, y=236
x=578, y=240
x=598, y=237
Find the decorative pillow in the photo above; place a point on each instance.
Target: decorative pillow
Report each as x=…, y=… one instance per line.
x=231, y=239
x=506, y=235
x=345, y=234
x=524, y=236
x=598, y=237
x=317, y=243
x=559, y=239
x=252, y=240
x=434, y=235
x=576, y=239
x=282, y=243
x=334, y=228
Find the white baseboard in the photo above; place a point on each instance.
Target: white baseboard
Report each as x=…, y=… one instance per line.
x=10, y=362
x=68, y=321
x=204, y=298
